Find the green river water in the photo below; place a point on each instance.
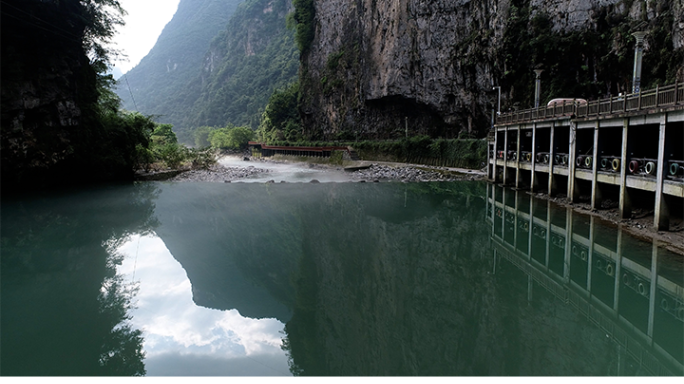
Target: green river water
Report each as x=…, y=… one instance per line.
x=336, y=278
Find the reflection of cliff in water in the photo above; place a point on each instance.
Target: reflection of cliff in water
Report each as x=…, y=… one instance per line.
x=240, y=244
x=396, y=285
x=237, y=243
x=408, y=279
x=64, y=310
x=377, y=295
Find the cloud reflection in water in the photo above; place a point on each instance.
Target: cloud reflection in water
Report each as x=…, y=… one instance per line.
x=183, y=339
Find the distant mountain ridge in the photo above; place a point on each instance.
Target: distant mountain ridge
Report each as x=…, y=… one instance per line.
x=216, y=63
x=255, y=55
x=164, y=73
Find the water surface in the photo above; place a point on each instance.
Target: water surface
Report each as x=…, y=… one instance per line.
x=262, y=279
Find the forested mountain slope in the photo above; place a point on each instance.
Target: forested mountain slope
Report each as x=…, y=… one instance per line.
x=193, y=80
x=255, y=55
x=159, y=82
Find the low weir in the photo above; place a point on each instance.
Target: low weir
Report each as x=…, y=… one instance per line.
x=629, y=149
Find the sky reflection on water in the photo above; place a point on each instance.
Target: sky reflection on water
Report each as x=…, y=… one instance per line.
x=181, y=338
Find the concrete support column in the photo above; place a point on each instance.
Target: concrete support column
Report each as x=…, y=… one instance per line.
x=492, y=195
x=489, y=160
x=530, y=283
x=590, y=256
x=595, y=188
x=548, y=234
x=517, y=161
x=568, y=244
x=662, y=213
x=533, y=179
x=505, y=159
x=625, y=201
x=618, y=272
x=515, y=222
x=573, y=194
x=496, y=161
x=652, y=293
x=552, y=152
x=503, y=213
x=529, y=233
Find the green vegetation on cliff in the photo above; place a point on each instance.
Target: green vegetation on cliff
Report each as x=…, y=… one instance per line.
x=280, y=120
x=304, y=16
x=161, y=82
x=220, y=77
x=252, y=57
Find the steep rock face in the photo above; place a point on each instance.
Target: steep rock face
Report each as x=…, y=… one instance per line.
x=376, y=68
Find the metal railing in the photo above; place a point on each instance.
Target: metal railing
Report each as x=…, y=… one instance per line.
x=660, y=97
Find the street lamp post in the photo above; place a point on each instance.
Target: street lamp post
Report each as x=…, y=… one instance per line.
x=537, y=87
x=498, y=111
x=638, y=56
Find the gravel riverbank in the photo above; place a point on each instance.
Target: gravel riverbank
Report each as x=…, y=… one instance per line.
x=410, y=174
x=219, y=173
x=374, y=172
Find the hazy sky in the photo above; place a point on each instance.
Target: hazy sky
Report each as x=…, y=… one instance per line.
x=144, y=22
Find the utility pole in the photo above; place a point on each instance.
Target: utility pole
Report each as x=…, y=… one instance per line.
x=638, y=56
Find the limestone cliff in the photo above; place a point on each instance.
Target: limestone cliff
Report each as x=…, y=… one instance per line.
x=375, y=68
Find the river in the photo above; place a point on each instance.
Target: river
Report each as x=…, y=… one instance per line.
x=329, y=279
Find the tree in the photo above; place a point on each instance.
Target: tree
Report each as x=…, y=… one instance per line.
x=219, y=138
x=281, y=118
x=101, y=18
x=163, y=134
x=239, y=137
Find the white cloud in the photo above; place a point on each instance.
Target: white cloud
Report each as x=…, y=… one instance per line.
x=174, y=326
